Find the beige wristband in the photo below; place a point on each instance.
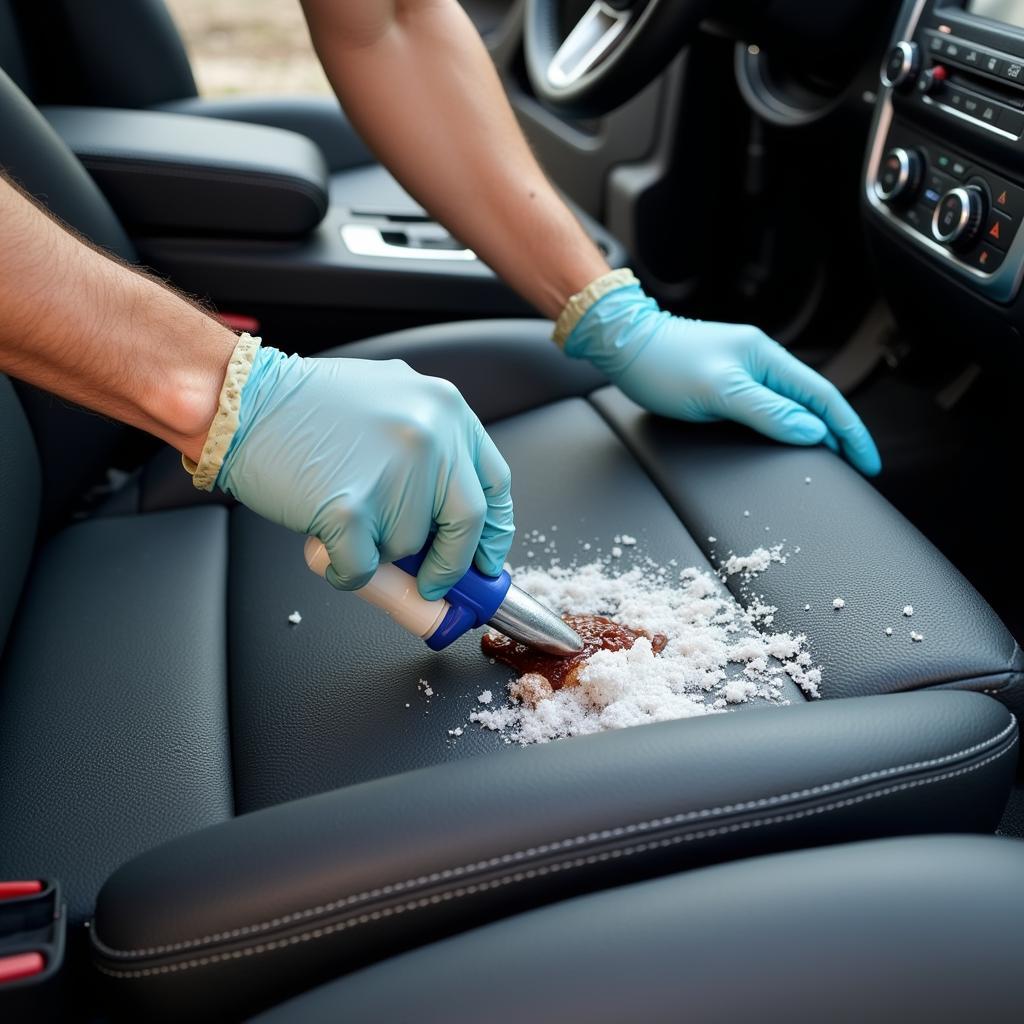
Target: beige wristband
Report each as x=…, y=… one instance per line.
x=579, y=303
x=225, y=421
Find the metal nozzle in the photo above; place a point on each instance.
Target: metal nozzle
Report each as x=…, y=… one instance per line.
x=524, y=619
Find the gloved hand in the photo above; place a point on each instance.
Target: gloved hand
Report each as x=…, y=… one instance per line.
x=698, y=371
x=366, y=456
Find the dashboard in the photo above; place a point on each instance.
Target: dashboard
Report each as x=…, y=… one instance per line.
x=944, y=175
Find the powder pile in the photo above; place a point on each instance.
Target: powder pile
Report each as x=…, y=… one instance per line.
x=716, y=655
x=750, y=566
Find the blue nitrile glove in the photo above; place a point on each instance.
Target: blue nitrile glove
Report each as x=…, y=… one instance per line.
x=698, y=371
x=366, y=455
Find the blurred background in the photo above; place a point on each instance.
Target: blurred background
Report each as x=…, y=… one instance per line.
x=249, y=46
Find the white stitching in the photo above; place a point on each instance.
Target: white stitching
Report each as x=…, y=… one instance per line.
x=519, y=876
x=590, y=837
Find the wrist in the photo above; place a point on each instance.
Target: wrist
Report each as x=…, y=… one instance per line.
x=613, y=332
x=204, y=453
x=577, y=305
x=186, y=356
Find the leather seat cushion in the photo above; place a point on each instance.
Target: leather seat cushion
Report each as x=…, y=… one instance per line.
x=154, y=683
x=927, y=928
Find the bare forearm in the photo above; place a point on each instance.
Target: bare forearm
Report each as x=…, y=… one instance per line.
x=419, y=85
x=86, y=328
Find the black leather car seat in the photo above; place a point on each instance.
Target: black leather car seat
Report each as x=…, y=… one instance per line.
x=152, y=685
x=129, y=54
x=924, y=929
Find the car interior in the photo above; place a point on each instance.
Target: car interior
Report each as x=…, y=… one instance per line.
x=206, y=814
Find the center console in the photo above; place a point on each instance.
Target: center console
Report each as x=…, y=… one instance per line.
x=945, y=166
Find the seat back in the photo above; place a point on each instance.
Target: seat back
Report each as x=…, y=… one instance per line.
x=12, y=55
x=118, y=53
x=74, y=446
x=19, y=502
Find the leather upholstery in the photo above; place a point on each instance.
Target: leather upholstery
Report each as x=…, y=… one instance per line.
x=119, y=53
x=113, y=700
x=19, y=508
x=853, y=544
x=923, y=929
x=173, y=173
x=319, y=118
x=134, y=58
x=322, y=705
x=195, y=928
x=33, y=155
x=12, y=59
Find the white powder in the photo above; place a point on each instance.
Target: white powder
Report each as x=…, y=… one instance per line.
x=486, y=697
x=916, y=637
x=838, y=603
x=716, y=655
x=295, y=618
x=426, y=688
x=908, y=610
x=756, y=562
x=712, y=540
x=627, y=540
x=807, y=607
x=807, y=479
x=616, y=552
x=457, y=731
x=888, y=631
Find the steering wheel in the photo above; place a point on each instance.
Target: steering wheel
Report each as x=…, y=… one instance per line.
x=612, y=52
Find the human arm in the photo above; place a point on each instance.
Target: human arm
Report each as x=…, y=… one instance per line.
x=416, y=79
x=365, y=455
x=417, y=82
x=83, y=326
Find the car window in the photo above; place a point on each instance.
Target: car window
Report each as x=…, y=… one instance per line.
x=248, y=47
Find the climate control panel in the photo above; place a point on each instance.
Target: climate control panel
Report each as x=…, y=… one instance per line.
x=947, y=199
x=945, y=162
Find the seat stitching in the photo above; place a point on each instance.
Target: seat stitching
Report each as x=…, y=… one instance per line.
x=222, y=175
x=539, y=872
x=597, y=836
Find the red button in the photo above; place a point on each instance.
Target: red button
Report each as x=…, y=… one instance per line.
x=999, y=230
x=21, y=965
x=11, y=890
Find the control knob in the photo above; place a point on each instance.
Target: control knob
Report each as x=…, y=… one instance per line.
x=899, y=175
x=958, y=215
x=900, y=66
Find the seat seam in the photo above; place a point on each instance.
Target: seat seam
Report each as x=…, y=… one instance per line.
x=645, y=467
x=738, y=595
x=545, y=848
x=538, y=872
x=1009, y=676
x=227, y=175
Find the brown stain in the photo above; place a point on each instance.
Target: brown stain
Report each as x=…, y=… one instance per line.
x=597, y=633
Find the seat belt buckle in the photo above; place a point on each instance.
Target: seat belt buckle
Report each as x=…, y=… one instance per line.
x=33, y=924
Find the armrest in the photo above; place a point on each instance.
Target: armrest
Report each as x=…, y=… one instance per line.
x=171, y=173
x=233, y=917
x=319, y=118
